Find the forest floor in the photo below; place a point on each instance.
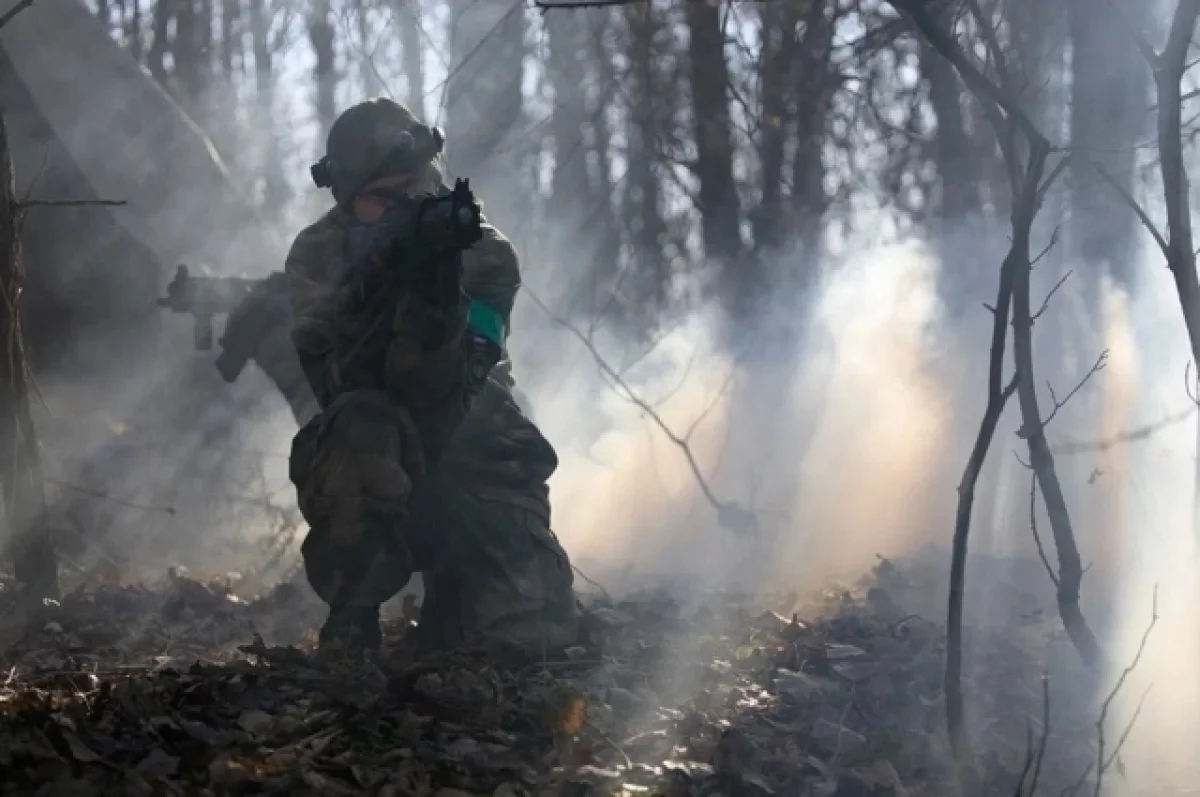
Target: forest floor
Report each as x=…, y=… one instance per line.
x=170, y=689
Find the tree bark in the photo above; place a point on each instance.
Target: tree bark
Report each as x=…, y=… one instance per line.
x=34, y=559
x=720, y=214
x=484, y=103
x=813, y=98
x=408, y=20
x=777, y=76
x=275, y=191
x=642, y=203
x=1110, y=95
x=320, y=35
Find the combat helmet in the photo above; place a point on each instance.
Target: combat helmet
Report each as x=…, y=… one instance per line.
x=372, y=139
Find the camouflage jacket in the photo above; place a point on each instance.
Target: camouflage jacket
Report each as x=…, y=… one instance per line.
x=495, y=447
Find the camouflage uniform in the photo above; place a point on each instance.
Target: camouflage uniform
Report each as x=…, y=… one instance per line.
x=399, y=473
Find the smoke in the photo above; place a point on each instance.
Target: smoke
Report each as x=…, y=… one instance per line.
x=839, y=447
x=1150, y=491
x=846, y=444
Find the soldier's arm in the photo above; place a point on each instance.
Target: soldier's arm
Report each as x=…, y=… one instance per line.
x=442, y=385
x=318, y=303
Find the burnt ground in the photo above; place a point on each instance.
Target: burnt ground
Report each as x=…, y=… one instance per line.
x=182, y=688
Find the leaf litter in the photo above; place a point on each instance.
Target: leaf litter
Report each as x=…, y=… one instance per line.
x=172, y=689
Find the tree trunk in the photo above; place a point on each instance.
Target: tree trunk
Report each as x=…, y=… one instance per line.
x=320, y=35
x=160, y=44
x=642, y=204
x=408, y=19
x=368, y=70
x=484, y=104
x=777, y=76
x=1110, y=96
x=606, y=265
x=133, y=30
x=569, y=210
x=230, y=34
x=275, y=191
x=720, y=214
x=815, y=93
x=34, y=560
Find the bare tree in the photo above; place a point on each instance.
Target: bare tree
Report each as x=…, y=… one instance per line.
x=1025, y=151
x=777, y=56
x=642, y=201
x=321, y=37
x=407, y=18
x=720, y=214
x=275, y=191
x=34, y=559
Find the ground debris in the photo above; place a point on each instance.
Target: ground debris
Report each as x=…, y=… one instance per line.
x=172, y=690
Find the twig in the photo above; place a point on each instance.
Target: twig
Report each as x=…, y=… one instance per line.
x=1041, y=754
x=1037, y=538
x=166, y=510
x=69, y=203
x=1102, y=762
x=589, y=579
x=1133, y=204
x=729, y=514
x=1050, y=295
x=12, y=12
x=1098, y=366
x=1129, y=436
x=547, y=5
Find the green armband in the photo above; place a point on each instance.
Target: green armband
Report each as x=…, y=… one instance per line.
x=486, y=322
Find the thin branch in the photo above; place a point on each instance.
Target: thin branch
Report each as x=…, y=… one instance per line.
x=547, y=5
x=1129, y=436
x=1037, y=538
x=945, y=44
x=1050, y=295
x=1133, y=204
x=1103, y=762
x=69, y=203
x=1041, y=754
x=12, y=12
x=1098, y=366
x=729, y=514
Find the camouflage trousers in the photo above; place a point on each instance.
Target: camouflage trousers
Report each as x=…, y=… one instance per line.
x=494, y=572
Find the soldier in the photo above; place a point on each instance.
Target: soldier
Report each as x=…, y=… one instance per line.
x=419, y=458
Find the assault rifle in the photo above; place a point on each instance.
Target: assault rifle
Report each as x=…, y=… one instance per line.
x=442, y=225
x=260, y=305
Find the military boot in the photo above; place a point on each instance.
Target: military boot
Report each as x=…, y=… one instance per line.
x=351, y=629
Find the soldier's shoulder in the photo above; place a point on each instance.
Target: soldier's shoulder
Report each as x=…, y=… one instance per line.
x=316, y=243
x=494, y=250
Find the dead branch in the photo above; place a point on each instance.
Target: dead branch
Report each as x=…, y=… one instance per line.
x=1035, y=756
x=1098, y=366
x=11, y=14
x=1026, y=163
x=1103, y=760
x=1129, y=436
x=1054, y=290
x=1177, y=244
x=1041, y=460
x=730, y=515
x=34, y=560
x=105, y=496
x=69, y=203
x=1037, y=538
